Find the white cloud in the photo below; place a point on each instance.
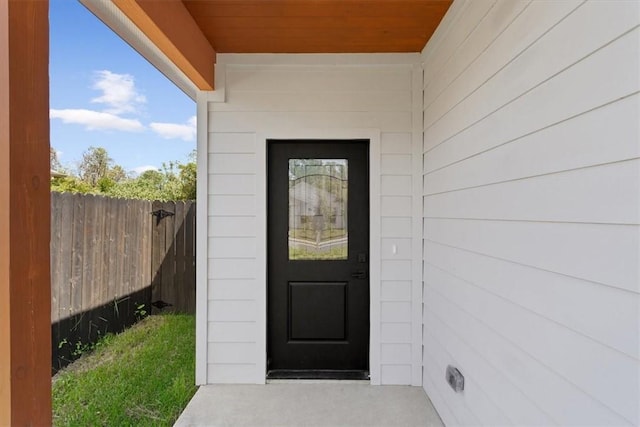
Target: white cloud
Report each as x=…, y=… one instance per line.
x=119, y=93
x=93, y=120
x=186, y=132
x=141, y=169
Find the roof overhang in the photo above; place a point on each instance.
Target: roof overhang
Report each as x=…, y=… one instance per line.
x=166, y=35
x=181, y=37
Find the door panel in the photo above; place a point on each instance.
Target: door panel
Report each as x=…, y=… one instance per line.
x=318, y=253
x=317, y=311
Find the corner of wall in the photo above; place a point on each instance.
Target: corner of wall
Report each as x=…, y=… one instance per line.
x=443, y=28
x=202, y=100
x=417, y=213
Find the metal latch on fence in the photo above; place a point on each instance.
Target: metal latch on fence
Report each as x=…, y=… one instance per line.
x=160, y=214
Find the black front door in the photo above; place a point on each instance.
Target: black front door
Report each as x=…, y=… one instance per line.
x=318, y=259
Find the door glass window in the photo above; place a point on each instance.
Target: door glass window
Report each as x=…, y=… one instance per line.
x=318, y=209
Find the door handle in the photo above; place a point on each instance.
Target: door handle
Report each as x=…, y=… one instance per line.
x=360, y=274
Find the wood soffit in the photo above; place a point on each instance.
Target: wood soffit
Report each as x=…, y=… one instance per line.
x=191, y=32
x=317, y=26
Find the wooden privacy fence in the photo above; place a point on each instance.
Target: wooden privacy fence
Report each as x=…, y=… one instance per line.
x=114, y=261
x=173, y=256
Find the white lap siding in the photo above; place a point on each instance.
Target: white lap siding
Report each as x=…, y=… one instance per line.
x=267, y=96
x=232, y=265
x=531, y=185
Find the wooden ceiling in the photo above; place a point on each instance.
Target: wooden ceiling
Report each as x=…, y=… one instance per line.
x=317, y=26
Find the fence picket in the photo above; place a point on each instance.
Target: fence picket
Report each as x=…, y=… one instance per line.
x=77, y=252
x=178, y=222
x=109, y=256
x=189, y=278
x=65, y=258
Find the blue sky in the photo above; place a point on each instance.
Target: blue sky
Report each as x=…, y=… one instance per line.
x=104, y=94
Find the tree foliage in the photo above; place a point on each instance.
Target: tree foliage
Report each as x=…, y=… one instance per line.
x=95, y=165
x=54, y=162
x=71, y=184
x=97, y=174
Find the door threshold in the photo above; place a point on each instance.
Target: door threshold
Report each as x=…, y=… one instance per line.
x=342, y=382
x=306, y=375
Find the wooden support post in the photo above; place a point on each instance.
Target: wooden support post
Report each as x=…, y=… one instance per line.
x=25, y=305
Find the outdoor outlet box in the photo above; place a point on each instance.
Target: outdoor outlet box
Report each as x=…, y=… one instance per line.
x=455, y=379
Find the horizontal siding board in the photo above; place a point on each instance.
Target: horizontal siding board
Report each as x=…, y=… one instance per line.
x=402, y=249
x=562, y=400
x=395, y=290
x=605, y=314
x=498, y=18
x=241, y=332
x=395, y=164
x=235, y=268
x=602, y=253
x=567, y=353
x=232, y=353
x=232, y=247
x=526, y=28
x=434, y=395
x=395, y=312
x=232, y=311
x=456, y=402
x=588, y=84
x=602, y=194
x=395, y=227
x=395, y=333
x=395, y=121
x=485, y=406
x=232, y=226
x=464, y=24
x=395, y=354
x=395, y=374
x=232, y=373
x=232, y=289
x=318, y=79
x=480, y=377
x=578, y=143
x=232, y=163
x=232, y=205
x=395, y=185
x=313, y=101
x=395, y=143
x=232, y=184
x=395, y=206
x=581, y=34
x=395, y=270
x=232, y=143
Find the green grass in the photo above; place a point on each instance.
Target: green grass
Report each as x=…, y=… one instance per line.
x=141, y=377
x=301, y=254
x=310, y=234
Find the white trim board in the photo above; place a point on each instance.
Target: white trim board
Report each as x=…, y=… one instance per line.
x=373, y=135
x=202, y=194
x=321, y=59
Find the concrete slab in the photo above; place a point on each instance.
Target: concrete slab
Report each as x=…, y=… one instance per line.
x=309, y=404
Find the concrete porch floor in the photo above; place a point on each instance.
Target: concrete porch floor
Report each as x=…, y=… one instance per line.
x=309, y=404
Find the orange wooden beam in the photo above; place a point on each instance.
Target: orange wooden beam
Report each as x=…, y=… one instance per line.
x=170, y=26
x=25, y=290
